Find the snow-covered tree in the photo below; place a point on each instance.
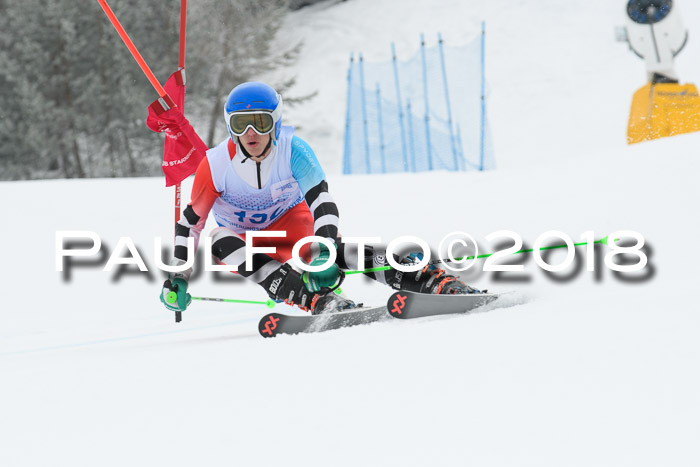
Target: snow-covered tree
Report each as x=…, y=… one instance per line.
x=73, y=101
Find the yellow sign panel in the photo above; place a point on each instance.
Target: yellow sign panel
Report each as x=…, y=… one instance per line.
x=663, y=109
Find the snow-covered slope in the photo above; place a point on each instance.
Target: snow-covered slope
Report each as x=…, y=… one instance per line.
x=585, y=368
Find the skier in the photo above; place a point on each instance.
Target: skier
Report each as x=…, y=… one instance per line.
x=264, y=177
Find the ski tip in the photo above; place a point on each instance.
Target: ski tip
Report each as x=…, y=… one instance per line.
x=268, y=325
x=396, y=304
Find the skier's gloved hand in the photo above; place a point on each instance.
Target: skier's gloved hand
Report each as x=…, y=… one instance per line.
x=329, y=277
x=174, y=294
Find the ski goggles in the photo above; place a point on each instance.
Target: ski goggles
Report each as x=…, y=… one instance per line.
x=261, y=122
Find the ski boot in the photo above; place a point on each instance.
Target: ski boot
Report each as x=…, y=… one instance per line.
x=429, y=280
x=287, y=285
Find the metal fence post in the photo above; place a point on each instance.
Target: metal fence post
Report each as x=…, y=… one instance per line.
x=400, y=108
x=368, y=162
x=447, y=102
x=483, y=96
x=347, y=160
x=427, y=107
x=412, y=144
x=381, y=129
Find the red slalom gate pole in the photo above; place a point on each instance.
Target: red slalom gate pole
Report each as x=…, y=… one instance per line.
x=154, y=82
x=181, y=66
x=183, y=33
x=132, y=48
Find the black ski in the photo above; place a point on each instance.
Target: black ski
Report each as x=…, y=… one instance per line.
x=403, y=305
x=409, y=305
x=273, y=324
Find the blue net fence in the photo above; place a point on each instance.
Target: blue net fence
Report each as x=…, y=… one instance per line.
x=426, y=113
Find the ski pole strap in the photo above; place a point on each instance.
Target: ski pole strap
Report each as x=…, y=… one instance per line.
x=269, y=302
x=603, y=241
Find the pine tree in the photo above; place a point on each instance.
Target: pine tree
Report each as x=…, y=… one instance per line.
x=231, y=47
x=73, y=101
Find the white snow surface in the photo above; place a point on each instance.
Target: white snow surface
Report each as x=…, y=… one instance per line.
x=591, y=370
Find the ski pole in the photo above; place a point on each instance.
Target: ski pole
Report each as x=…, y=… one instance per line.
x=270, y=303
x=172, y=298
x=603, y=241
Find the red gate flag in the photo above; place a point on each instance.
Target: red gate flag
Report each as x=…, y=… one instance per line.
x=184, y=149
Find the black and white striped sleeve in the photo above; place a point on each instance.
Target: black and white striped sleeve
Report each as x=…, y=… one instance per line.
x=194, y=216
x=324, y=210
x=189, y=225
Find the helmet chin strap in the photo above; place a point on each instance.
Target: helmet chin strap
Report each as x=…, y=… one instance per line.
x=247, y=154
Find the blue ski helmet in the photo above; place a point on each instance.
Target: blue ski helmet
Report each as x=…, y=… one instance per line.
x=253, y=104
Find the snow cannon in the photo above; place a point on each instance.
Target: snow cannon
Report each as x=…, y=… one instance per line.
x=663, y=106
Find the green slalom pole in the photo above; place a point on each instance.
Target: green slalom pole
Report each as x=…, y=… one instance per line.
x=172, y=298
x=602, y=241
